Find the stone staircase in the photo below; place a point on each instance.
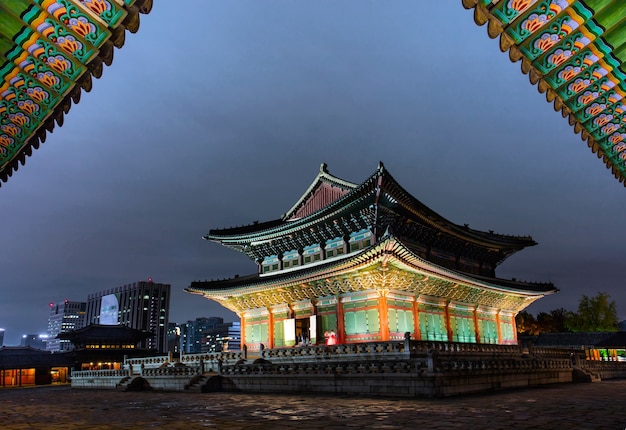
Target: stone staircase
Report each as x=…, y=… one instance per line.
x=585, y=375
x=123, y=384
x=198, y=383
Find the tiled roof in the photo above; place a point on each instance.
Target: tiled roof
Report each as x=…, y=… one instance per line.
x=389, y=247
x=573, y=51
x=49, y=52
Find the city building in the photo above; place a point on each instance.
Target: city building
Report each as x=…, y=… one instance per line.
x=369, y=262
x=35, y=341
x=224, y=337
x=193, y=332
x=97, y=347
x=64, y=316
x=142, y=305
x=173, y=338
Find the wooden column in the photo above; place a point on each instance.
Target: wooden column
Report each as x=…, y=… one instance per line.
x=514, y=325
x=243, y=331
x=383, y=315
x=270, y=329
x=341, y=331
x=416, y=321
x=447, y=318
x=476, y=326
x=499, y=329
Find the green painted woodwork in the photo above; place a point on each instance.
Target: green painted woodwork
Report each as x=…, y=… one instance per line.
x=574, y=50
x=433, y=326
x=508, y=334
x=256, y=332
x=48, y=51
x=328, y=322
x=362, y=321
x=279, y=334
x=488, y=331
x=463, y=329
x=400, y=321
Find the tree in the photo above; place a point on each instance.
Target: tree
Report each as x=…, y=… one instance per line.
x=597, y=313
x=526, y=324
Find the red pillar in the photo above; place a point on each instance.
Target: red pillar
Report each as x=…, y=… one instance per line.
x=341, y=331
x=383, y=316
x=476, y=326
x=499, y=329
x=270, y=330
x=448, y=325
x=416, y=321
x=243, y=331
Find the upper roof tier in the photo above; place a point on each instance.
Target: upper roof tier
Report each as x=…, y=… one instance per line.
x=574, y=52
x=49, y=51
x=332, y=207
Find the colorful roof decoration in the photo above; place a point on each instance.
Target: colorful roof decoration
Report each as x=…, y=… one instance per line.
x=49, y=51
x=573, y=50
x=418, y=276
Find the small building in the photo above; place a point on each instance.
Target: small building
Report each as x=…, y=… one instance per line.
x=609, y=346
x=369, y=262
x=24, y=366
x=105, y=346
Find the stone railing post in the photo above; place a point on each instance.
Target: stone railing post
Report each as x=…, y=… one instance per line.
x=407, y=342
x=432, y=353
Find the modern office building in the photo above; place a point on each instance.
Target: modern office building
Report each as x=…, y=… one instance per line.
x=35, y=341
x=142, y=305
x=193, y=332
x=173, y=338
x=64, y=316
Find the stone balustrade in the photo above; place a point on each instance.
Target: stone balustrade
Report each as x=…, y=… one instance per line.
x=99, y=373
x=172, y=371
x=347, y=352
x=148, y=362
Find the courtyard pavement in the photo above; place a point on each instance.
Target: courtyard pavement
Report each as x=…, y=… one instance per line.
x=565, y=406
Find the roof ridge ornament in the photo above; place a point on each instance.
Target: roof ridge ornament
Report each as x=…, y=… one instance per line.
x=324, y=168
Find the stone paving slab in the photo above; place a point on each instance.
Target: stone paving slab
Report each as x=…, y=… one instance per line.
x=565, y=406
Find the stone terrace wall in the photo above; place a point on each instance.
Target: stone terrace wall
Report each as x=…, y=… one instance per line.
x=409, y=368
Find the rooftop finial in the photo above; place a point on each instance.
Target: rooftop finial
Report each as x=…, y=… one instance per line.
x=381, y=166
x=324, y=168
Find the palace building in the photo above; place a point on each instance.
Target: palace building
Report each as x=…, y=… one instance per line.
x=369, y=262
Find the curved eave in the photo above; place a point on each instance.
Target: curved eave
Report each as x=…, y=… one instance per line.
x=432, y=218
x=589, y=42
x=45, y=23
x=390, y=251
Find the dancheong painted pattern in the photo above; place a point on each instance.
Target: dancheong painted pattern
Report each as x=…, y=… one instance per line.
x=573, y=51
x=49, y=52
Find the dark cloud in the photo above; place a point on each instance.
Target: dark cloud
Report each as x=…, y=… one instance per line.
x=217, y=114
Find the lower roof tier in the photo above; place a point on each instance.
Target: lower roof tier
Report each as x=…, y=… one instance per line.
x=387, y=266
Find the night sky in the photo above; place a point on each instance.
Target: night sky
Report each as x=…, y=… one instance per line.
x=219, y=113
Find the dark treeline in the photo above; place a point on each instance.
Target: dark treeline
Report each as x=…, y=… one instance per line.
x=594, y=314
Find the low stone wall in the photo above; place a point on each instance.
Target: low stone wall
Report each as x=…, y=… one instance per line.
x=605, y=369
x=415, y=369
x=98, y=379
x=408, y=368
